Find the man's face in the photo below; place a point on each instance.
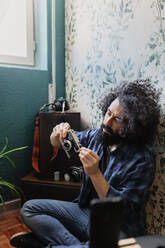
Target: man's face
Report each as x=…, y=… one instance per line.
x=112, y=118
x=109, y=134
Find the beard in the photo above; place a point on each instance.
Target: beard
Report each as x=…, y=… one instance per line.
x=110, y=138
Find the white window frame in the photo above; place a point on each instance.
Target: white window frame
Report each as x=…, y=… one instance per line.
x=29, y=59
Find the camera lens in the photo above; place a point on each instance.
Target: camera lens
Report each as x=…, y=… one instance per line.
x=67, y=177
x=67, y=145
x=76, y=174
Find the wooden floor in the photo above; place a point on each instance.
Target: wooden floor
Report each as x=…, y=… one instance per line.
x=10, y=223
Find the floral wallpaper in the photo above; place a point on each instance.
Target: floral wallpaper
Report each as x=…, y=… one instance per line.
x=109, y=41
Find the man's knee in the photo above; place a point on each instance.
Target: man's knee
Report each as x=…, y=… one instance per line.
x=27, y=209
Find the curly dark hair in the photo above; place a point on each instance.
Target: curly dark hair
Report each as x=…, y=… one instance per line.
x=140, y=102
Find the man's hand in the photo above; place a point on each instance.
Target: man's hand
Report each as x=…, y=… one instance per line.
x=59, y=134
x=90, y=161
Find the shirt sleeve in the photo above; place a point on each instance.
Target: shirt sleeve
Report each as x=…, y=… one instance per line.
x=133, y=185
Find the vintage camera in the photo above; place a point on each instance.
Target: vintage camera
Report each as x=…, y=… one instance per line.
x=60, y=104
x=71, y=144
x=73, y=174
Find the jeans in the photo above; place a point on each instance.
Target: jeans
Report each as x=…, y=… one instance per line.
x=57, y=223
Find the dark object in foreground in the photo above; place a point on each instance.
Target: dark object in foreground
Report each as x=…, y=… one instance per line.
x=105, y=222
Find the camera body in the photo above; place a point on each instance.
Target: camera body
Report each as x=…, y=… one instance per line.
x=71, y=144
x=60, y=104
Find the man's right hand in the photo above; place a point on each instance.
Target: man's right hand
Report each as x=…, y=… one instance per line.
x=59, y=134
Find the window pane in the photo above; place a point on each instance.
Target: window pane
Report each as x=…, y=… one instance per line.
x=13, y=28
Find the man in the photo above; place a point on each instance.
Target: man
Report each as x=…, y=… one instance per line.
x=116, y=162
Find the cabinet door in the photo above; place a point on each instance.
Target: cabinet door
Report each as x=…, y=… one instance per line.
x=46, y=191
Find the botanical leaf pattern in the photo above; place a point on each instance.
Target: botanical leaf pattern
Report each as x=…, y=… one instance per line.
x=109, y=41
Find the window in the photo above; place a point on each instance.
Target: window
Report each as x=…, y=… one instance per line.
x=17, y=43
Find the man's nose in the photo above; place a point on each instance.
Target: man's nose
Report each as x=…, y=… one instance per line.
x=109, y=120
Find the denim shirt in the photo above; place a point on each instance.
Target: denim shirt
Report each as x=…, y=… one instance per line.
x=129, y=172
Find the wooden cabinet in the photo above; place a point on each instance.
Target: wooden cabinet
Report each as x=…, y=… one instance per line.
x=43, y=185
x=35, y=188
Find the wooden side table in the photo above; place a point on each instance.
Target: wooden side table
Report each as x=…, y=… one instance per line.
x=35, y=188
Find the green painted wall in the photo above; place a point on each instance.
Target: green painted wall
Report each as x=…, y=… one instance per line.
x=60, y=47
x=23, y=92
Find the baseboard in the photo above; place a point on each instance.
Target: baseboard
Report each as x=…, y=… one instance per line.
x=10, y=205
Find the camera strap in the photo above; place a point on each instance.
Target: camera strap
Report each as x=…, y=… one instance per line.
x=36, y=146
x=35, y=152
